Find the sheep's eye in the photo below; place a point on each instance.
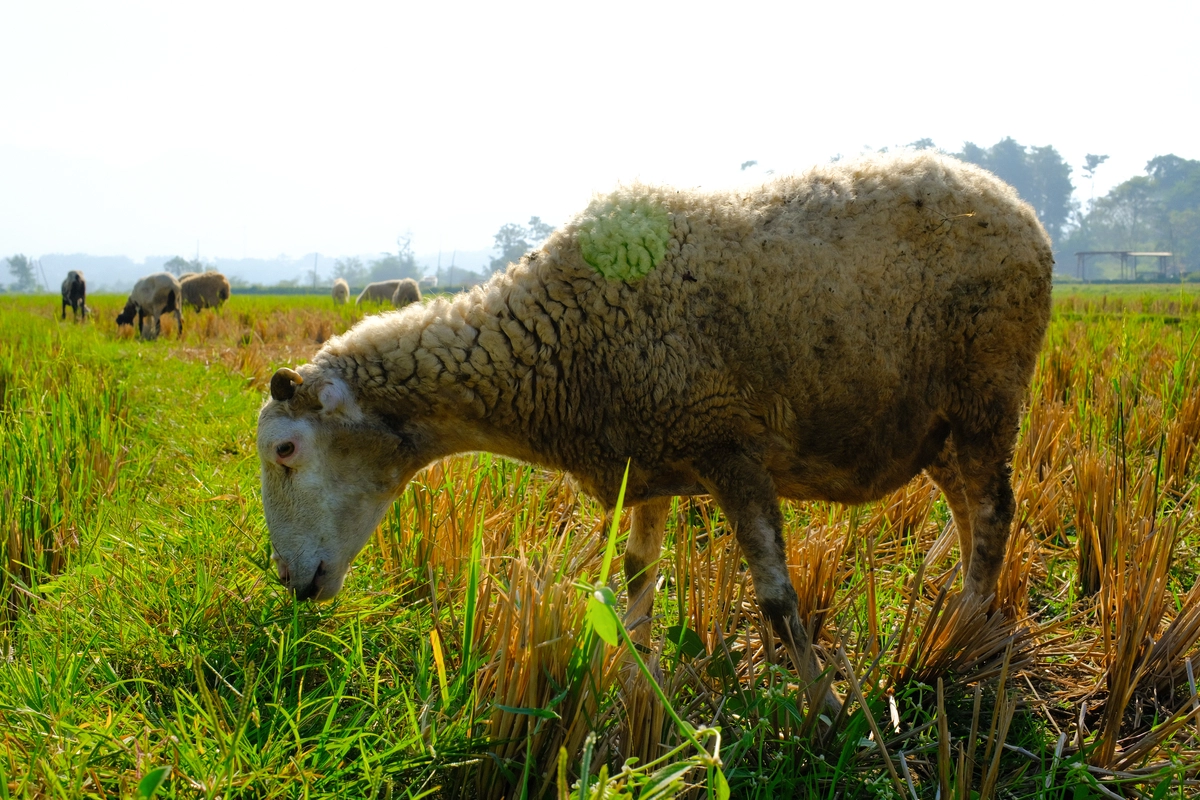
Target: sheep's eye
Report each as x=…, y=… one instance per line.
x=284, y=450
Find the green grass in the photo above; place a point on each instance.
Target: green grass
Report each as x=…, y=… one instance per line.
x=144, y=628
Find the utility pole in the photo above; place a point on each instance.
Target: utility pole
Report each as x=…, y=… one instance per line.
x=315, y=271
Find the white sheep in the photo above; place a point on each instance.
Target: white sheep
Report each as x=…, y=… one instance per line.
x=204, y=290
x=378, y=292
x=74, y=294
x=407, y=291
x=341, y=292
x=153, y=296
x=825, y=336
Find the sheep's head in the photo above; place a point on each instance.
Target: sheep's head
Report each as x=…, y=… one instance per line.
x=128, y=313
x=329, y=473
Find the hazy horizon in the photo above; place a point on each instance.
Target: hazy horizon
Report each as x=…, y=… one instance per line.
x=250, y=131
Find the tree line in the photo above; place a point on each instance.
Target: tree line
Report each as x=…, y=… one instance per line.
x=1158, y=211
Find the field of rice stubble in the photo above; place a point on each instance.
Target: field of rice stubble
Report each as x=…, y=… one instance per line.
x=476, y=650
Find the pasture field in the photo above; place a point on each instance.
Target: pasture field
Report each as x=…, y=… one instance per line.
x=149, y=650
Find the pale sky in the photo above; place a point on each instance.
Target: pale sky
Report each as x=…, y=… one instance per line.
x=257, y=129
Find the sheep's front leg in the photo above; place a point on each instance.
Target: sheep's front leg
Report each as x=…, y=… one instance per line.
x=746, y=493
x=641, y=564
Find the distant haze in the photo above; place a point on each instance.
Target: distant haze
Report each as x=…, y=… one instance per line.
x=246, y=130
x=119, y=273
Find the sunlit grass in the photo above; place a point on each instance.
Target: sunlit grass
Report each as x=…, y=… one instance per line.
x=144, y=629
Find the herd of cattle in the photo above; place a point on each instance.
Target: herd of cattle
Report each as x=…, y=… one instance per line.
x=164, y=293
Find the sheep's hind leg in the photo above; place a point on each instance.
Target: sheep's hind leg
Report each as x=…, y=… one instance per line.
x=983, y=464
x=747, y=495
x=944, y=472
x=641, y=564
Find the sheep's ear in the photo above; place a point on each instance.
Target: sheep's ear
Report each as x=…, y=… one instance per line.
x=335, y=396
x=283, y=384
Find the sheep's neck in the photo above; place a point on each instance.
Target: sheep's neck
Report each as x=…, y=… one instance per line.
x=468, y=379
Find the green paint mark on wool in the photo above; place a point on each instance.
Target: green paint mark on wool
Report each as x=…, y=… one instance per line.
x=624, y=238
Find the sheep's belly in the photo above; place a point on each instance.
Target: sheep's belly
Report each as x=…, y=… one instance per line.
x=859, y=473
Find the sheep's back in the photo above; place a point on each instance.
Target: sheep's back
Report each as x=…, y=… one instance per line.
x=153, y=292
x=843, y=297
x=826, y=313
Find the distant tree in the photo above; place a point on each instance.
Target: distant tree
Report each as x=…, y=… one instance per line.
x=513, y=241
x=922, y=144
x=748, y=164
x=1051, y=189
x=351, y=270
x=539, y=231
x=1178, y=179
x=1127, y=210
x=401, y=264
x=1039, y=174
x=178, y=266
x=1090, y=163
x=21, y=267
x=973, y=153
x=1156, y=211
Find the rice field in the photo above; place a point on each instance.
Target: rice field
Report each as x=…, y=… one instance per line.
x=476, y=649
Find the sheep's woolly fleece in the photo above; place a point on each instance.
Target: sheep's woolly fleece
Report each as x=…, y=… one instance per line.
x=341, y=291
x=623, y=237
x=205, y=290
x=818, y=320
x=407, y=291
x=379, y=292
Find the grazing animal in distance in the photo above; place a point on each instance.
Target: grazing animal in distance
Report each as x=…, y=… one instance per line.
x=74, y=294
x=378, y=292
x=825, y=336
x=341, y=292
x=407, y=291
x=204, y=290
x=153, y=296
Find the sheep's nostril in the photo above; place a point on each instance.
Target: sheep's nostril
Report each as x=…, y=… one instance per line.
x=308, y=592
x=314, y=586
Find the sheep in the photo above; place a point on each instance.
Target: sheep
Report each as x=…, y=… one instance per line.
x=825, y=336
x=406, y=292
x=378, y=292
x=204, y=290
x=341, y=292
x=153, y=296
x=74, y=294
